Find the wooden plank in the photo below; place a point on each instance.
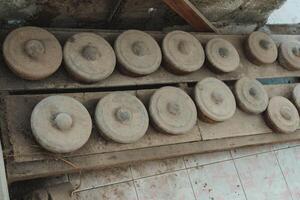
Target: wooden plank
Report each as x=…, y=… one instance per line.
x=25, y=148
x=192, y=15
x=37, y=169
x=62, y=81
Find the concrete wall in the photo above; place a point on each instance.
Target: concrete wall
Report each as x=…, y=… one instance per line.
x=145, y=14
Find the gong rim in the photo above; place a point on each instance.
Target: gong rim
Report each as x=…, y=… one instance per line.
x=182, y=52
x=251, y=95
x=222, y=55
x=137, y=52
x=32, y=53
x=172, y=110
x=88, y=57
x=54, y=114
x=214, y=99
x=282, y=115
x=121, y=117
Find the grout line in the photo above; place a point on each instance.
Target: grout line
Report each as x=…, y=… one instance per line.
x=187, y=171
x=237, y=172
x=133, y=180
x=287, y=185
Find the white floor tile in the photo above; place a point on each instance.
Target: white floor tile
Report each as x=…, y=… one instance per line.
x=289, y=161
x=150, y=168
x=121, y=191
x=217, y=181
x=99, y=178
x=170, y=186
x=248, y=151
x=207, y=158
x=262, y=178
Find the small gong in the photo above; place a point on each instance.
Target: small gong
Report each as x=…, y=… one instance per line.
x=88, y=57
x=172, y=110
x=214, y=100
x=251, y=95
x=32, y=53
x=296, y=96
x=138, y=53
x=289, y=55
x=183, y=53
x=121, y=117
x=222, y=55
x=282, y=115
x=61, y=124
x=260, y=48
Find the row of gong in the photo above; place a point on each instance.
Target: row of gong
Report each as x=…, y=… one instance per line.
x=61, y=124
x=33, y=53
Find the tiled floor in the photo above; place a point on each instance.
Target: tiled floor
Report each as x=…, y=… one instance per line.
x=270, y=172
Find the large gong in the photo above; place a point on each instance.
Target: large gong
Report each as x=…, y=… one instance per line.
x=172, y=110
x=214, y=100
x=251, y=95
x=61, y=124
x=88, y=57
x=138, y=53
x=222, y=55
x=182, y=52
x=121, y=117
x=282, y=115
x=32, y=53
x=260, y=48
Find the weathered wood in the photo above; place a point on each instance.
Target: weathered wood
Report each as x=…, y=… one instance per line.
x=25, y=148
x=61, y=80
x=191, y=14
x=31, y=170
x=241, y=130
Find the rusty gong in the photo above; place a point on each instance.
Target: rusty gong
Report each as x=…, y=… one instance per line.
x=282, y=115
x=61, y=124
x=182, y=52
x=260, y=48
x=138, y=54
x=251, y=95
x=222, y=55
x=289, y=55
x=121, y=117
x=214, y=100
x=88, y=57
x=172, y=110
x=32, y=53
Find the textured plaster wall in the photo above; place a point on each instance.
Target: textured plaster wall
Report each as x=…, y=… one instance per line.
x=150, y=14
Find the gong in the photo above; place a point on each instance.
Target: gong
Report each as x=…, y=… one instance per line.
x=260, y=48
x=32, y=53
x=282, y=115
x=121, y=117
x=61, y=124
x=222, y=55
x=172, y=110
x=289, y=55
x=214, y=100
x=88, y=57
x=182, y=52
x=138, y=54
x=251, y=95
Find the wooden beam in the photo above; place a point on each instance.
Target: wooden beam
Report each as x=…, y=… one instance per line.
x=191, y=14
